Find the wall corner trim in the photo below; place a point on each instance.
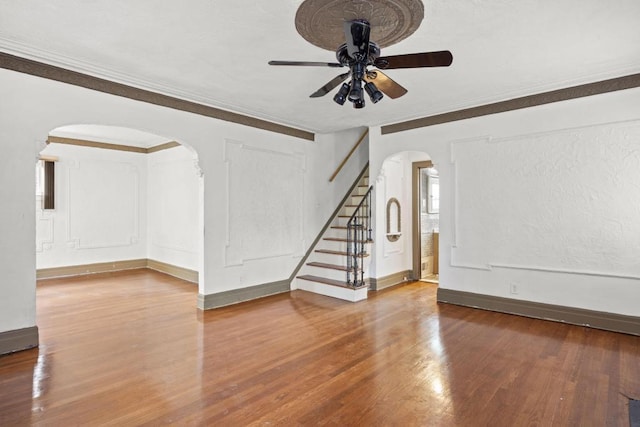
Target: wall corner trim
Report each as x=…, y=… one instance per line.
x=18, y=340
x=235, y=296
x=575, y=316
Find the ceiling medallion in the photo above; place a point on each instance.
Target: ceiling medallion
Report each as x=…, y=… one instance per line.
x=320, y=22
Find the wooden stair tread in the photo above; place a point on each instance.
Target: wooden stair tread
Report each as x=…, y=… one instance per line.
x=342, y=239
x=326, y=281
x=339, y=227
x=329, y=266
x=330, y=252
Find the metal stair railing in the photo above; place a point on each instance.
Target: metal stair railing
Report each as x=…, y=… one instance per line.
x=358, y=234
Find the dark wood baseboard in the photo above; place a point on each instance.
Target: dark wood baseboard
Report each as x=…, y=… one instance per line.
x=377, y=284
x=173, y=270
x=105, y=267
x=18, y=339
x=575, y=316
x=210, y=301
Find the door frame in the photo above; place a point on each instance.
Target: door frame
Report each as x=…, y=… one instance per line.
x=415, y=215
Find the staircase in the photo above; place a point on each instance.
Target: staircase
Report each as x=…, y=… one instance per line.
x=332, y=269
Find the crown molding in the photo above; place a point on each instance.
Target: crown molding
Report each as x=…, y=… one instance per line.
x=88, y=81
x=108, y=146
x=559, y=95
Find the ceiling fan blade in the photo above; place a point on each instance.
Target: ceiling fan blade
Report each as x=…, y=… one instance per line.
x=385, y=84
x=357, y=34
x=307, y=63
x=329, y=86
x=441, y=58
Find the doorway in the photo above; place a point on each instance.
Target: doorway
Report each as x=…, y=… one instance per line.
x=426, y=221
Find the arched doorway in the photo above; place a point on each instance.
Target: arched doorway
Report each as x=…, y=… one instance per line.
x=402, y=247
x=124, y=198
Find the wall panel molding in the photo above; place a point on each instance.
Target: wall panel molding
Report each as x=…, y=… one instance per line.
x=263, y=225
x=83, y=178
x=575, y=138
x=44, y=231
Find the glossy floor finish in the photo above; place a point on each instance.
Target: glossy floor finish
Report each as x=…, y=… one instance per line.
x=132, y=349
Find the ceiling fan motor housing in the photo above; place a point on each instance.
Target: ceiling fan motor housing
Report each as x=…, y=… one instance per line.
x=342, y=55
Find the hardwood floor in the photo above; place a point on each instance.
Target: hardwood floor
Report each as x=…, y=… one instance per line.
x=132, y=349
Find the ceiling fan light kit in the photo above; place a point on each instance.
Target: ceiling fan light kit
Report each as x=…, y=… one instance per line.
x=317, y=22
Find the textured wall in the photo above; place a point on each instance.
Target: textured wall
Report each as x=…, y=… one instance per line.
x=539, y=204
x=174, y=203
x=100, y=212
x=566, y=199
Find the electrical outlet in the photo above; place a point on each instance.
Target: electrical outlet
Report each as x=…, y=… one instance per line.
x=513, y=288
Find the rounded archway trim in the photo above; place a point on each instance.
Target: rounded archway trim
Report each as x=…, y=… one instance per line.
x=320, y=21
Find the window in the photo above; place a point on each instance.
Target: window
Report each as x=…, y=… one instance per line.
x=45, y=183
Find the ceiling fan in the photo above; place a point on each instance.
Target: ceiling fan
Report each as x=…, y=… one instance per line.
x=359, y=53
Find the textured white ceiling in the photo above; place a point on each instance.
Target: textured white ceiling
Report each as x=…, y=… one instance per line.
x=216, y=52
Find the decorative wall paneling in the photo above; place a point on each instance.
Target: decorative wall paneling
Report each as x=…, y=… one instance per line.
x=265, y=203
x=551, y=229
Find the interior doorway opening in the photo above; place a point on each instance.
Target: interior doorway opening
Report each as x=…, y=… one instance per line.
x=426, y=221
x=124, y=199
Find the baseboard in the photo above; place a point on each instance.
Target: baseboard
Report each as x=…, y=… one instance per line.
x=80, y=270
x=105, y=267
x=173, y=270
x=18, y=339
x=210, y=301
x=575, y=316
x=377, y=284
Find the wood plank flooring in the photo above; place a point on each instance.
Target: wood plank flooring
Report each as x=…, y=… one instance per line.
x=132, y=349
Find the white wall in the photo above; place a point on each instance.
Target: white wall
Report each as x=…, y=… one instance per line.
x=31, y=107
x=546, y=198
x=100, y=208
x=173, y=207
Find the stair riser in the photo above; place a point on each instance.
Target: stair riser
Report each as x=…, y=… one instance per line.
x=338, y=246
x=360, y=191
x=335, y=232
x=328, y=273
x=332, y=291
x=340, y=260
x=348, y=210
x=328, y=258
x=355, y=200
x=340, y=221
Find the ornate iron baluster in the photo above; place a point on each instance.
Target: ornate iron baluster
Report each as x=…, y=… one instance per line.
x=358, y=234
